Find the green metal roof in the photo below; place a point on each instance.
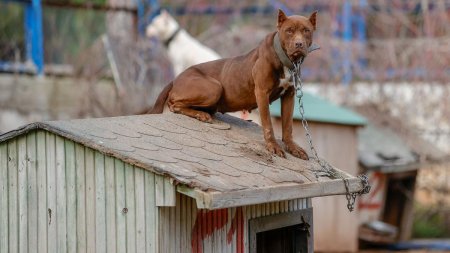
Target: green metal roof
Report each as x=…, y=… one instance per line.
x=320, y=110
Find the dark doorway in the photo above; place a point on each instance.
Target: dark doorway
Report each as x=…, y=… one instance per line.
x=290, y=232
x=292, y=239
x=399, y=203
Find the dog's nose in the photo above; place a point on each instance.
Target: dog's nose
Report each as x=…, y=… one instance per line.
x=299, y=44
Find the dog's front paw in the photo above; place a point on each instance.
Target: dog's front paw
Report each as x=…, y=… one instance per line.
x=274, y=148
x=296, y=150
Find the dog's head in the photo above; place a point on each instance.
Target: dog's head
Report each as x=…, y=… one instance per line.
x=162, y=26
x=296, y=34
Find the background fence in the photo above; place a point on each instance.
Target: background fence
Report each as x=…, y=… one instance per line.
x=399, y=40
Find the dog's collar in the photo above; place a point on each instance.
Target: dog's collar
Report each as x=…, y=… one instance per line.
x=174, y=34
x=282, y=55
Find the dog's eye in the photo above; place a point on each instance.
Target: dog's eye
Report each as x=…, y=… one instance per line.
x=289, y=31
x=306, y=30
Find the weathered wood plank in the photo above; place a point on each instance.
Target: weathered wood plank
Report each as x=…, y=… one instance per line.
x=32, y=192
x=121, y=232
x=281, y=204
x=184, y=212
x=111, y=209
x=258, y=210
x=131, y=206
x=23, y=205
x=90, y=199
x=177, y=225
x=140, y=209
x=194, y=213
x=151, y=213
x=52, y=240
x=61, y=203
x=71, y=188
x=80, y=169
x=172, y=223
x=233, y=241
x=218, y=235
x=245, y=226
x=4, y=233
x=100, y=202
x=254, y=214
x=159, y=190
x=217, y=200
x=169, y=193
x=42, y=191
x=163, y=230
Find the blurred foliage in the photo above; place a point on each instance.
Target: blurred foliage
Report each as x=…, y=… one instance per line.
x=12, y=34
x=67, y=32
x=429, y=224
x=12, y=17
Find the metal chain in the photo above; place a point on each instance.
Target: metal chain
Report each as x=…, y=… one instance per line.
x=327, y=169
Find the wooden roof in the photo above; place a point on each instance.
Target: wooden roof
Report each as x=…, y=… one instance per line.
x=381, y=149
x=221, y=165
x=426, y=151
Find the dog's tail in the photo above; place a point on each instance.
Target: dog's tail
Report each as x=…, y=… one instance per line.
x=161, y=101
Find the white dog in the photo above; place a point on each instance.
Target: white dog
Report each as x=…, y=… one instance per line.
x=183, y=50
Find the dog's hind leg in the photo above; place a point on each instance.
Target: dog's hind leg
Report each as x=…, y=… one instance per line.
x=195, y=97
x=200, y=115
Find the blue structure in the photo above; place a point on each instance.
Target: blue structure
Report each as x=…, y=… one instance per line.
x=347, y=38
x=146, y=11
x=33, y=35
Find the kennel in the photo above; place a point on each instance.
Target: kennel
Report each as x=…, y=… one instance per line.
x=155, y=183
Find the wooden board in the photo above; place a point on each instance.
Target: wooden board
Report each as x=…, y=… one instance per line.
x=32, y=198
x=71, y=192
x=4, y=216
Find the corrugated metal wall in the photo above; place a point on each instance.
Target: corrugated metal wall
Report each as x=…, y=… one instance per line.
x=58, y=196
x=187, y=229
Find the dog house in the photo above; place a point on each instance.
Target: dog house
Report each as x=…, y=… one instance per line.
x=155, y=183
x=392, y=155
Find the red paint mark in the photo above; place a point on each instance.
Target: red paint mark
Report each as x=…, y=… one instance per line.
x=208, y=222
x=240, y=231
x=205, y=226
x=369, y=202
x=237, y=226
x=371, y=206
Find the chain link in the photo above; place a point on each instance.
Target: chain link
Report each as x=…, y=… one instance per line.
x=326, y=168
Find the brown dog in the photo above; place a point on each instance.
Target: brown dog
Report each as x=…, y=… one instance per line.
x=246, y=82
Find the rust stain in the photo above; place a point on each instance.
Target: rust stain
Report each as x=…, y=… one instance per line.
x=208, y=222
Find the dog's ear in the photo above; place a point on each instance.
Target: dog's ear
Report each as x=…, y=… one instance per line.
x=164, y=13
x=313, y=19
x=281, y=18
